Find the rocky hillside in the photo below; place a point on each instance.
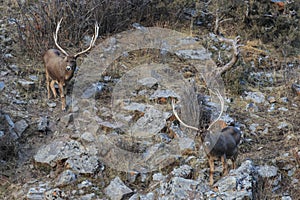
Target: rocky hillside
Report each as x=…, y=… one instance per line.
x=119, y=137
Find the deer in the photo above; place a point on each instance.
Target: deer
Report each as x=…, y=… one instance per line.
x=218, y=144
x=60, y=66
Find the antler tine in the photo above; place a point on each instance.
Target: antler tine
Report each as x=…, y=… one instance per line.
x=222, y=107
x=55, y=38
x=176, y=115
x=94, y=38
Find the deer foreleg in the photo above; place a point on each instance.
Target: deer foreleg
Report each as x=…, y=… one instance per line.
x=211, y=170
x=62, y=96
x=53, y=88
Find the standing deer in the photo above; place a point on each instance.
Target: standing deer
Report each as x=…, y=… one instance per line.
x=217, y=143
x=60, y=68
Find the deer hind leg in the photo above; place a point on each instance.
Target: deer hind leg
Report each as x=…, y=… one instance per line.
x=48, y=84
x=211, y=170
x=224, y=165
x=62, y=96
x=53, y=88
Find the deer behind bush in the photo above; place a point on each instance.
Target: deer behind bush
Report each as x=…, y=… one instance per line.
x=218, y=143
x=60, y=66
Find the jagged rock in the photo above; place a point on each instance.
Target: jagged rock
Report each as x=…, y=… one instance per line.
x=93, y=91
x=36, y=193
x=27, y=85
x=117, y=190
x=51, y=104
x=151, y=123
x=186, y=144
x=43, y=123
x=184, y=171
x=267, y=171
x=180, y=188
x=256, y=97
x=271, y=99
x=148, y=82
x=149, y=196
x=84, y=163
x=21, y=126
x=195, y=54
x=66, y=178
x=67, y=119
x=239, y=184
x=58, y=150
x=84, y=184
x=158, y=177
x=88, y=196
x=136, y=107
x=87, y=137
x=163, y=94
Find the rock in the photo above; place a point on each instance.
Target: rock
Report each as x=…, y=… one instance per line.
x=88, y=196
x=149, y=196
x=33, y=77
x=43, y=123
x=253, y=128
x=93, y=91
x=36, y=193
x=14, y=68
x=296, y=89
x=256, y=97
x=58, y=150
x=27, y=85
x=282, y=125
x=87, y=137
x=66, y=178
x=186, y=144
x=251, y=107
x=67, y=119
x=284, y=109
x=239, y=184
x=2, y=85
x=163, y=94
x=83, y=164
x=267, y=171
x=184, y=171
x=283, y=100
x=132, y=106
x=84, y=184
x=195, y=54
x=148, y=82
x=180, y=188
x=271, y=99
x=21, y=126
x=158, y=177
x=150, y=124
x=117, y=190
x=51, y=104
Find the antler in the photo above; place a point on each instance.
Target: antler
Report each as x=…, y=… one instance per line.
x=176, y=115
x=94, y=38
x=55, y=38
x=194, y=128
x=222, y=107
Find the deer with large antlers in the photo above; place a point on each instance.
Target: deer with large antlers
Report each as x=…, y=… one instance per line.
x=217, y=143
x=60, y=66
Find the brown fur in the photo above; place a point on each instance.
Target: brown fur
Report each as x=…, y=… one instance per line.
x=222, y=144
x=59, y=69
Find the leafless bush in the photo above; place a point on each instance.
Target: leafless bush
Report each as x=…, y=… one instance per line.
x=37, y=21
